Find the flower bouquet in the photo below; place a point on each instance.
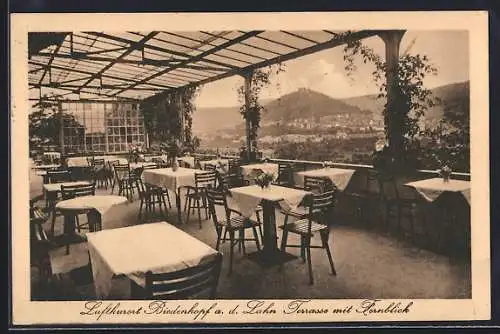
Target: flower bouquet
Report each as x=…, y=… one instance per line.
x=135, y=151
x=445, y=173
x=327, y=164
x=264, y=180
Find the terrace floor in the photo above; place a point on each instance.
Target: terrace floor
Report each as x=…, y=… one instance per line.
x=369, y=264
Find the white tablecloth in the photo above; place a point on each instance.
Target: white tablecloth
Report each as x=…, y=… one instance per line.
x=101, y=203
x=82, y=161
x=51, y=187
x=246, y=199
x=430, y=189
x=132, y=251
x=251, y=170
x=339, y=177
x=134, y=165
x=45, y=167
x=150, y=158
x=188, y=160
x=167, y=178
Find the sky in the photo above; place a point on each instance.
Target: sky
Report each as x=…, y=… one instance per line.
x=324, y=71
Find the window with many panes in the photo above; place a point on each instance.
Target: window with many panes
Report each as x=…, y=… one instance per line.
x=102, y=127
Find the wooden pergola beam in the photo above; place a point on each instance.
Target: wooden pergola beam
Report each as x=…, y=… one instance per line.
x=131, y=49
x=197, y=57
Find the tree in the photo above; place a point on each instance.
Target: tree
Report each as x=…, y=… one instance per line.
x=45, y=124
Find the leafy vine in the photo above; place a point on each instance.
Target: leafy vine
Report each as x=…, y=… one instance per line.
x=410, y=98
x=259, y=79
x=163, y=120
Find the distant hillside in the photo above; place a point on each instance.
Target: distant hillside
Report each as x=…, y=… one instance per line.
x=445, y=93
x=305, y=103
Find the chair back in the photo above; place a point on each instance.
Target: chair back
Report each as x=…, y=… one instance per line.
x=285, y=174
x=72, y=191
x=206, y=179
x=217, y=198
x=157, y=160
x=150, y=166
x=142, y=188
x=388, y=187
x=320, y=205
x=122, y=172
x=228, y=181
x=58, y=176
x=233, y=166
x=185, y=283
x=210, y=167
x=314, y=183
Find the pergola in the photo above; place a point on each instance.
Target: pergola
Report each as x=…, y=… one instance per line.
x=141, y=66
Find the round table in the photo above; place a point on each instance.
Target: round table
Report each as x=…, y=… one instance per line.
x=94, y=206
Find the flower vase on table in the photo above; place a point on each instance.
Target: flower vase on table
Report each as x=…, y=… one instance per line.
x=175, y=164
x=264, y=180
x=445, y=173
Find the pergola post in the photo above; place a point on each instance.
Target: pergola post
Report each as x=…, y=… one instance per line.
x=392, y=41
x=248, y=86
x=180, y=110
x=61, y=127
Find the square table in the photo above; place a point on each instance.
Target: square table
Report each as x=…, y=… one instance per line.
x=56, y=187
x=247, y=198
x=340, y=177
x=173, y=181
x=132, y=251
x=431, y=189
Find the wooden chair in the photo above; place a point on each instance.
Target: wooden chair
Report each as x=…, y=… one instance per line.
x=197, y=194
x=313, y=184
x=126, y=183
x=363, y=197
x=73, y=191
x=395, y=205
x=181, y=284
x=285, y=175
x=110, y=173
x=231, y=224
x=99, y=173
x=233, y=166
x=57, y=176
x=156, y=188
x=150, y=196
x=228, y=181
x=319, y=206
x=39, y=242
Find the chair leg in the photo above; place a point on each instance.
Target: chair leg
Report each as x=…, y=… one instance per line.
x=140, y=208
x=324, y=238
x=199, y=211
x=219, y=234
x=302, y=248
x=256, y=236
x=231, y=251
x=242, y=240
x=284, y=237
x=188, y=203
x=309, y=262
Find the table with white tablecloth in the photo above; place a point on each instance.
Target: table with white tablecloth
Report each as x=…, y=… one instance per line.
x=431, y=189
x=172, y=180
x=132, y=251
x=97, y=207
x=83, y=162
x=340, y=177
x=246, y=199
